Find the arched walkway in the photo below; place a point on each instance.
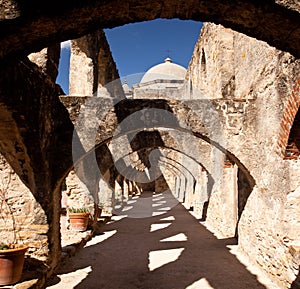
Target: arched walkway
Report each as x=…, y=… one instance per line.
x=34, y=123
x=168, y=251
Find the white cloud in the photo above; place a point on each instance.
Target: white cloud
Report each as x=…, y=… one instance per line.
x=65, y=44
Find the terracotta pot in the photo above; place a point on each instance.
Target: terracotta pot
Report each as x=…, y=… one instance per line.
x=79, y=221
x=11, y=265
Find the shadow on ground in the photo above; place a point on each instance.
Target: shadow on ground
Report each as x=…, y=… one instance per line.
x=168, y=251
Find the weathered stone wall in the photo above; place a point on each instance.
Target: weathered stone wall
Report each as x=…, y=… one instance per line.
x=31, y=118
x=220, y=56
x=37, y=77
x=78, y=195
x=47, y=60
x=33, y=27
x=22, y=218
x=35, y=131
x=222, y=213
x=261, y=79
x=92, y=68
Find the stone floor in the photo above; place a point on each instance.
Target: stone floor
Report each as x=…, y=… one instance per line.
x=156, y=244
x=169, y=250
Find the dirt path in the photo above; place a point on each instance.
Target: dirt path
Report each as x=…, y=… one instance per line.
x=169, y=251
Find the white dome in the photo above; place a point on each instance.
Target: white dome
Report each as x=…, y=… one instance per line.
x=166, y=70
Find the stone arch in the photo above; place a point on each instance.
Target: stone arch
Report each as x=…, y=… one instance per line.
x=242, y=191
x=128, y=172
x=288, y=144
x=28, y=34
x=242, y=170
x=21, y=37
x=110, y=165
x=30, y=139
x=167, y=162
x=123, y=118
x=118, y=118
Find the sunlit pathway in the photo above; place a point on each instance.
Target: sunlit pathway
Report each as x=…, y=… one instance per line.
x=168, y=251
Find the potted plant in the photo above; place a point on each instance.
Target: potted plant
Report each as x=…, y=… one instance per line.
x=12, y=253
x=79, y=218
x=11, y=262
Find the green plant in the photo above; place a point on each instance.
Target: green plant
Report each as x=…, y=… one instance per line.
x=4, y=246
x=78, y=210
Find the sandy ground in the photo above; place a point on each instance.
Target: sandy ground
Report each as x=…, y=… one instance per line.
x=171, y=250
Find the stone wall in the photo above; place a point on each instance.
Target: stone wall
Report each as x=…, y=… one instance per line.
x=32, y=152
x=92, y=67
x=36, y=133
x=78, y=195
x=222, y=213
x=260, y=79
x=22, y=218
x=246, y=86
x=35, y=27
x=47, y=60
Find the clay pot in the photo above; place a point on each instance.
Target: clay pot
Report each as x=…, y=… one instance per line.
x=79, y=221
x=11, y=265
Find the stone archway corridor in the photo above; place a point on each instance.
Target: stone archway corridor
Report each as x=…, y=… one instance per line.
x=170, y=250
x=239, y=98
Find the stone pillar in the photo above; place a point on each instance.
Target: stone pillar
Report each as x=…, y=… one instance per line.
x=118, y=193
x=106, y=194
x=130, y=188
x=169, y=174
x=200, y=193
x=82, y=71
x=92, y=67
x=177, y=186
x=22, y=218
x=222, y=214
x=189, y=195
x=78, y=193
x=182, y=188
x=125, y=190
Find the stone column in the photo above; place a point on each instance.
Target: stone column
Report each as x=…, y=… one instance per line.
x=118, y=193
x=92, y=67
x=125, y=190
x=189, y=195
x=200, y=193
x=182, y=188
x=222, y=214
x=106, y=193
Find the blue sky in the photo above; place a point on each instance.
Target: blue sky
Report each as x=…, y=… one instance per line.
x=139, y=46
